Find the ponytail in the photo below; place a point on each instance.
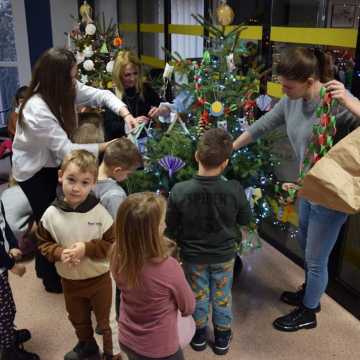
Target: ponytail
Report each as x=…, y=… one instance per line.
x=300, y=63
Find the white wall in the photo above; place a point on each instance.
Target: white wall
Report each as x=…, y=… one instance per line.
x=61, y=20
x=21, y=42
x=108, y=7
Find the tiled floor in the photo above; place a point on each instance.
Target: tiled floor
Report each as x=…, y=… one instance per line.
x=255, y=304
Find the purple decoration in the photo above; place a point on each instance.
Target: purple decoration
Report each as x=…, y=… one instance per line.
x=172, y=164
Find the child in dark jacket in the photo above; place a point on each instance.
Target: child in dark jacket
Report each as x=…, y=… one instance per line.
x=10, y=339
x=202, y=216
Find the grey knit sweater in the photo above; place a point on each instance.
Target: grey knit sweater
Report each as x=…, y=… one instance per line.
x=299, y=116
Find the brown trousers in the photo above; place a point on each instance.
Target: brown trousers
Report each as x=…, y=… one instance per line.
x=82, y=296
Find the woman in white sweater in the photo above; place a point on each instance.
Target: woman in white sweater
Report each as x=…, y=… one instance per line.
x=46, y=120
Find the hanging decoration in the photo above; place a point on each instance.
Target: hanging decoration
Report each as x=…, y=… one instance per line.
x=224, y=14
x=172, y=164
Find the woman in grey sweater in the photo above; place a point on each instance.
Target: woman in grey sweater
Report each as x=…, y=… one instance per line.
x=302, y=72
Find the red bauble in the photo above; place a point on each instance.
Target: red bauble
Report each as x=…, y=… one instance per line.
x=322, y=139
x=325, y=120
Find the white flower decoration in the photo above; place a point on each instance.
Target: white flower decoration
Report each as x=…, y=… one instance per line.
x=84, y=78
x=110, y=66
x=90, y=29
x=88, y=51
x=80, y=57
x=88, y=65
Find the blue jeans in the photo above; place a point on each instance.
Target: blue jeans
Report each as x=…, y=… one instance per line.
x=318, y=231
x=211, y=283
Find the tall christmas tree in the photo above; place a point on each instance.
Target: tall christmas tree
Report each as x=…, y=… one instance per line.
x=213, y=92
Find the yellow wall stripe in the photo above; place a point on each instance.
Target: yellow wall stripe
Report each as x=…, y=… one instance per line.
x=196, y=30
x=128, y=27
x=315, y=36
x=152, y=28
x=250, y=33
x=152, y=61
x=274, y=89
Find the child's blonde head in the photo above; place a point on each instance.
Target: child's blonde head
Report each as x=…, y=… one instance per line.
x=85, y=160
x=138, y=235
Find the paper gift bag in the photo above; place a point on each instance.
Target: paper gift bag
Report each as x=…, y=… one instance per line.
x=334, y=181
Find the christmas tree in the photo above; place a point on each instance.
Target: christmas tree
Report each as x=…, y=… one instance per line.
x=213, y=92
x=95, y=45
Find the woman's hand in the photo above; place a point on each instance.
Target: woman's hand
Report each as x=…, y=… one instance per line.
x=141, y=119
x=289, y=186
x=337, y=91
x=155, y=112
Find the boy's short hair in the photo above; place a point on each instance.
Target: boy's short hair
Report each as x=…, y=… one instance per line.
x=214, y=147
x=123, y=153
x=88, y=133
x=84, y=159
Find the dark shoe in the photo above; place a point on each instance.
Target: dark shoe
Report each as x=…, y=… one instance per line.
x=83, y=350
x=222, y=341
x=18, y=353
x=300, y=318
x=199, y=341
x=53, y=288
x=21, y=336
x=296, y=298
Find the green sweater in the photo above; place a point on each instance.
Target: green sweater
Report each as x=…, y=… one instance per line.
x=202, y=216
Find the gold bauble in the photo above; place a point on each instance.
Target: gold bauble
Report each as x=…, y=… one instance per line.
x=224, y=14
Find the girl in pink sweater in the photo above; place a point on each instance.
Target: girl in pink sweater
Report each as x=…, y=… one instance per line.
x=152, y=283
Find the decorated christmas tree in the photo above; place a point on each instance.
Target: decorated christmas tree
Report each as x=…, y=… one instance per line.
x=95, y=45
x=211, y=92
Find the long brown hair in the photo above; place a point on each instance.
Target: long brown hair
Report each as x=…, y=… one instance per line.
x=138, y=238
x=123, y=59
x=52, y=80
x=301, y=63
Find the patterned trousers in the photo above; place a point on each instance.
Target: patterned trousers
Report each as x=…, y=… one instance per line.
x=7, y=313
x=211, y=284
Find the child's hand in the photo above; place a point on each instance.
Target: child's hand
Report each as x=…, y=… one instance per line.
x=18, y=269
x=289, y=186
x=77, y=251
x=16, y=254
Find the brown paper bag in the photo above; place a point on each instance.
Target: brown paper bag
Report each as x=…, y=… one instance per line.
x=334, y=181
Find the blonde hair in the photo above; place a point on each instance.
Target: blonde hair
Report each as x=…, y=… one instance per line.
x=137, y=236
x=124, y=153
x=88, y=133
x=123, y=59
x=85, y=160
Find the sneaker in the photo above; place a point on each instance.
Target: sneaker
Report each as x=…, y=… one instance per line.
x=18, y=353
x=83, y=350
x=222, y=341
x=21, y=336
x=300, y=318
x=296, y=298
x=199, y=341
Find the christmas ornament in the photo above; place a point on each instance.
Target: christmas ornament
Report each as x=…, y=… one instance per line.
x=117, y=42
x=85, y=13
x=90, y=29
x=88, y=51
x=230, y=62
x=217, y=108
x=224, y=14
x=110, y=66
x=172, y=164
x=88, y=65
x=104, y=49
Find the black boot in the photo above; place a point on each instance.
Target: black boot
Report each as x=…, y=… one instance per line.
x=296, y=298
x=300, y=318
x=222, y=341
x=18, y=353
x=21, y=336
x=199, y=341
x=83, y=350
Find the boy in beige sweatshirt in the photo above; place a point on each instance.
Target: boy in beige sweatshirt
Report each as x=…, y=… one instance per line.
x=76, y=232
